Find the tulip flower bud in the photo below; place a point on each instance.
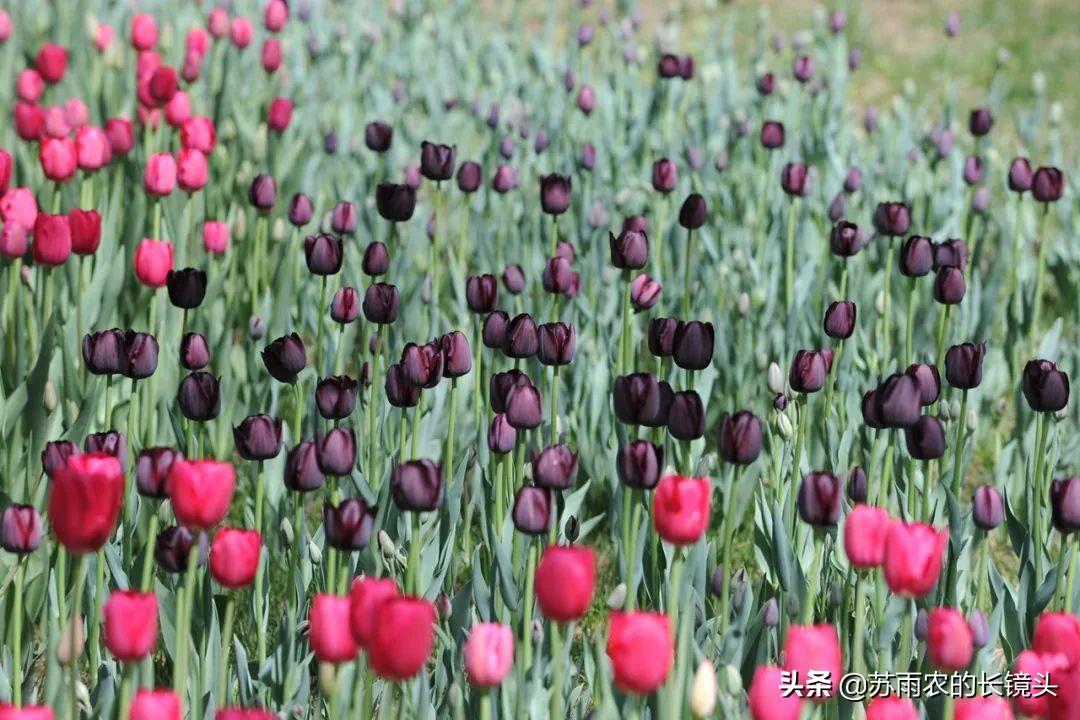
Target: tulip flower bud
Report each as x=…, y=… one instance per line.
x=555, y=193
x=263, y=193
x=640, y=399
x=951, y=253
x=343, y=218
x=639, y=464
x=1065, y=504
x=555, y=344
x=513, y=279
x=819, y=499
x=532, y=510
x=110, y=442
x=336, y=397
x=662, y=336
x=378, y=136
x=1020, y=175
x=694, y=212
x=152, y=471
x=335, y=452
x=423, y=364
x=845, y=239
x=1048, y=185
x=381, y=301
x=482, y=293
x=199, y=396
x=980, y=628
x=300, y=210
x=948, y=639
x=703, y=690
x=85, y=228
x=739, y=438
x=104, y=352
x=399, y=391
x=417, y=486
x=916, y=256
x=324, y=254
x=963, y=365
x=892, y=218
x=172, y=548
x=20, y=529
x=524, y=409
x=586, y=99
x=809, y=368
x=457, y=357
x=803, y=68
x=630, y=250
x=187, y=287
x=692, y=345
x=616, y=599
x=72, y=641
x=973, y=170
x=772, y=133
x=840, y=319
x=795, y=180
x=348, y=525
x=926, y=438
x=857, y=485
x=437, y=161
x=980, y=121
x=521, y=338
x=665, y=176
x=258, y=437
x=1045, y=387
x=686, y=416
x=555, y=468
x=987, y=508
x=644, y=293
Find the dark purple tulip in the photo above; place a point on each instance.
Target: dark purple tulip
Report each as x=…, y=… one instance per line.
x=345, y=306
x=665, y=175
x=686, y=416
x=417, y=486
x=494, y=330
x=343, y=218
x=668, y=66
x=482, y=293
x=987, y=508
x=381, y=301
x=330, y=143
x=285, y=357
x=187, y=287
x=103, y=352
x=457, y=357
x=521, y=339
x=837, y=207
x=739, y=439
x=765, y=83
x=194, y=352
x=916, y=256
x=694, y=212
x=693, y=343
x=586, y=99
x=152, y=471
x=140, y=355
x=973, y=170
x=172, y=548
x=395, y=203
x=892, y=218
x=513, y=278
x=555, y=193
x=943, y=145
x=819, y=499
x=852, y=180
x=686, y=67
x=857, y=486
x=845, y=239
x=56, y=454
x=1045, y=387
x=258, y=437
x=492, y=119
x=399, y=391
x=840, y=319
x=638, y=400
x=898, y=399
x=263, y=193
x=928, y=380
x=540, y=142
x=505, y=178
x=555, y=467
x=324, y=254
x=794, y=179
x=951, y=253
x=952, y=24
x=1065, y=504
x=524, y=409
x=870, y=410
x=556, y=344
x=772, y=134
x=500, y=386
x=423, y=364
x=565, y=250
x=803, y=68
x=809, y=368
x=644, y=293
x=348, y=526
x=925, y=439
x=335, y=396
x=20, y=529
x=949, y=287
x=637, y=223
x=376, y=259
x=437, y=161
x=532, y=510
x=302, y=473
x=980, y=628
x=256, y=328
x=300, y=210
x=662, y=332
x=870, y=119
x=109, y=442
x=1020, y=176
x=1048, y=185
x=980, y=121
x=470, y=176
x=639, y=464
x=335, y=451
x=963, y=365
x=630, y=250
x=199, y=396
x=502, y=436
x=837, y=21
x=980, y=200
x=378, y=136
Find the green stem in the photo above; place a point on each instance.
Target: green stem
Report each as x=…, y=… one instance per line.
x=557, y=670
x=886, y=335
x=958, y=447
x=73, y=635
x=530, y=580
x=412, y=582
x=16, y=635
x=815, y=583
x=1037, y=500
x=1071, y=584
x=687, y=269
x=730, y=526
x=857, y=659
x=183, y=638
x=789, y=255
x=1040, y=274
x=95, y=617
x=226, y=650
x=909, y=325
x=448, y=459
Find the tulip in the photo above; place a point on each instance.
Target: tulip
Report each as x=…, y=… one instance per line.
x=767, y=700
x=694, y=212
x=399, y=391
x=739, y=438
x=502, y=436
x=20, y=529
x=963, y=365
x=630, y=250
x=772, y=133
x=925, y=439
x=493, y=332
x=395, y=203
x=199, y=396
x=638, y=400
x=686, y=415
x=897, y=400
x=1020, y=176
x=814, y=648
x=639, y=464
x=437, y=161
x=644, y=293
x=857, y=486
x=154, y=705
x=201, y=491
x=328, y=616
x=555, y=467
x=51, y=62
x=131, y=624
x=336, y=397
x=187, y=287
x=681, y=507
x=560, y=278
x=109, y=443
x=324, y=254
x=19, y=207
x=555, y=193
x=52, y=239
x=865, y=530
x=104, y=352
x=481, y=293
x=348, y=525
x=565, y=581
x=457, y=357
x=556, y=344
x=532, y=510
x=891, y=708
x=521, y=339
x=423, y=364
x=191, y=170
x=949, y=639
x=258, y=437
x=1045, y=387
x=85, y=228
x=692, y=346
x=345, y=306
x=56, y=454
x=172, y=548
x=84, y=501
x=489, y=654
x=417, y=486
x=803, y=68
x=152, y=470
x=381, y=302
x=1058, y=633
x=302, y=473
x=335, y=451
x=1048, y=185
x=819, y=499
x=987, y=508
x=661, y=338
x=949, y=286
x=152, y=262
x=973, y=170
x=928, y=380
x=215, y=237
x=809, y=369
x=840, y=319
x=794, y=180
x=913, y=558
x=980, y=121
x=641, y=650
x=378, y=136
x=1065, y=504
x=92, y=149
x=140, y=355
x=262, y=193
x=892, y=218
x=513, y=279
x=285, y=358
x=402, y=637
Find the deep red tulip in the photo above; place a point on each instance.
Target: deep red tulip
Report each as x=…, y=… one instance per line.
x=279, y=114
x=767, y=699
x=52, y=239
x=234, y=557
x=328, y=632
x=681, y=508
x=565, y=581
x=131, y=624
x=1058, y=632
x=85, y=231
x=201, y=491
x=364, y=596
x=814, y=648
x=404, y=633
x=641, y=650
x=949, y=640
x=84, y=501
x=865, y=530
x=155, y=705
x=913, y=556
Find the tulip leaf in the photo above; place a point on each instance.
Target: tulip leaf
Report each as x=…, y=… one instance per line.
x=783, y=558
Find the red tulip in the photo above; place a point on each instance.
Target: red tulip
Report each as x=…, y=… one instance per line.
x=1066, y=706
x=155, y=705
x=121, y=135
x=1036, y=664
x=29, y=86
x=913, y=558
x=144, y=32
x=766, y=699
x=13, y=241
x=153, y=260
x=84, y=501
x=178, y=109
x=234, y=557
x=986, y=708
x=29, y=121
x=489, y=654
x=52, y=239
x=5, y=170
x=217, y=22
x=271, y=55
x=865, y=530
x=892, y=708
x=197, y=133
x=59, y=159
x=18, y=206
x=26, y=712
x=364, y=596
x=131, y=624
x=681, y=508
x=404, y=632
x=52, y=62
x=329, y=634
x=565, y=581
x=92, y=148
x=276, y=15
x=279, y=114
x=1058, y=633
x=641, y=650
x=814, y=648
x=159, y=177
x=85, y=231
x=191, y=170
x=240, y=32
x=215, y=237
x=949, y=639
x=201, y=491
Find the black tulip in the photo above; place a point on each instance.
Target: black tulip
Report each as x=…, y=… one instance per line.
x=103, y=352
x=1020, y=175
x=399, y=391
x=172, y=548
x=417, y=486
x=795, y=179
x=285, y=357
x=772, y=134
x=858, y=487
x=140, y=355
x=376, y=259
x=555, y=467
x=187, y=287
x=665, y=175
x=1045, y=387
x=686, y=416
x=662, y=332
x=300, y=210
x=494, y=331
x=470, y=176
x=500, y=385
x=973, y=169
x=1048, y=184
x=152, y=471
x=892, y=218
x=481, y=293
x=423, y=364
x=56, y=454
x=693, y=345
x=378, y=136
x=928, y=380
x=345, y=306
x=963, y=365
x=348, y=526
x=457, y=357
x=916, y=256
x=898, y=401
x=839, y=320
x=262, y=193
x=302, y=473
x=949, y=286
x=845, y=239
x=381, y=303
x=560, y=278
x=819, y=499
x=694, y=212
x=109, y=442
x=521, y=339
x=637, y=398
x=925, y=439
x=1065, y=504
x=437, y=161
x=513, y=278
x=987, y=508
x=524, y=407
x=556, y=344
x=951, y=253
x=639, y=464
x=324, y=254
x=809, y=368
x=194, y=351
x=980, y=121
x=739, y=438
x=395, y=202
x=532, y=510
x=502, y=436
x=630, y=250
x=199, y=396
x=335, y=396
x=335, y=451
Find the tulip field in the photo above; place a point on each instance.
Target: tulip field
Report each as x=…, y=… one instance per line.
x=355, y=368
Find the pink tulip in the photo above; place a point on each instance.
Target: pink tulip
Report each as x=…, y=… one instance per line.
x=489, y=654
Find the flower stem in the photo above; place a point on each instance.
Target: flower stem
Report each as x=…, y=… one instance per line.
x=687, y=267
x=226, y=649
x=16, y=635
x=530, y=573
x=73, y=636
x=789, y=255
